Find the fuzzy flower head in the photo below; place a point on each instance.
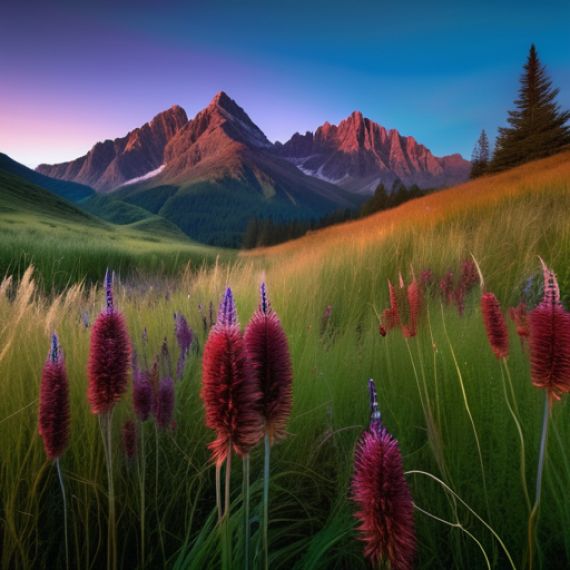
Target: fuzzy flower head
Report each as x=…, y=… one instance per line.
x=142, y=394
x=53, y=421
x=549, y=341
x=109, y=357
x=405, y=308
x=383, y=500
x=227, y=314
x=164, y=406
x=268, y=352
x=495, y=325
x=184, y=338
x=230, y=391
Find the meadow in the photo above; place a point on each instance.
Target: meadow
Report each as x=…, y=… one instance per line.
x=441, y=394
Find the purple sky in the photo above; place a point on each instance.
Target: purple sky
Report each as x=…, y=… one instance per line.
x=75, y=73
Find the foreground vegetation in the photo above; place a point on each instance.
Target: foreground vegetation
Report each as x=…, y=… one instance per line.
x=339, y=273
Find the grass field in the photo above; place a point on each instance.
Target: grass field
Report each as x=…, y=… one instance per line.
x=66, y=245
x=441, y=394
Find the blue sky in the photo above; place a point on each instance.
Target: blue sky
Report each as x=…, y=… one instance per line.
x=74, y=73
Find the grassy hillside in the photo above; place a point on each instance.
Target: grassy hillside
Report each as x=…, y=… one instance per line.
x=217, y=210
x=67, y=244
x=443, y=394
x=505, y=220
x=71, y=191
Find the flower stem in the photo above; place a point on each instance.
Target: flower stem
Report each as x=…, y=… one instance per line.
x=514, y=415
x=225, y=522
x=158, y=519
x=266, y=501
x=246, y=465
x=142, y=479
x=60, y=476
x=219, y=490
x=106, y=432
x=533, y=518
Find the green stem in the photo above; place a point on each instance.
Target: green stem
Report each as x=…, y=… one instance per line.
x=219, y=490
x=60, y=476
x=246, y=466
x=521, y=438
x=142, y=480
x=469, y=414
x=266, y=501
x=106, y=432
x=225, y=522
x=158, y=519
x=533, y=518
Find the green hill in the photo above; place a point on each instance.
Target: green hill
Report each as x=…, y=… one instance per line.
x=71, y=191
x=66, y=244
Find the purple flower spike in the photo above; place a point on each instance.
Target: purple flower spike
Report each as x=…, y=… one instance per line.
x=265, y=305
x=184, y=338
x=375, y=415
x=165, y=403
x=109, y=290
x=227, y=314
x=54, y=352
x=142, y=395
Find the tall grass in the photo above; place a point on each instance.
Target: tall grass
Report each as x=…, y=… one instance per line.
x=310, y=513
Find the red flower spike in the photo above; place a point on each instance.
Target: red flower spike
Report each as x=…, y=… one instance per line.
x=109, y=357
x=230, y=392
x=495, y=325
x=53, y=420
x=414, y=295
x=519, y=316
x=549, y=341
x=268, y=352
x=394, y=308
x=385, y=507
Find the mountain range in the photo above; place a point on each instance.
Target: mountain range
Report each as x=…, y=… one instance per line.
x=357, y=154
x=212, y=174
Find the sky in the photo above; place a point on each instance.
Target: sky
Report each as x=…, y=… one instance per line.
x=76, y=72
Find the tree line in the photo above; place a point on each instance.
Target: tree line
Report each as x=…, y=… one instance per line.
x=266, y=231
x=537, y=126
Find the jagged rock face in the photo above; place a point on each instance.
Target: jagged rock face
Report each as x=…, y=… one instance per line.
x=214, y=140
x=358, y=154
x=111, y=163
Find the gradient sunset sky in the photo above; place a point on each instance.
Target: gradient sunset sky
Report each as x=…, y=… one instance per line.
x=74, y=73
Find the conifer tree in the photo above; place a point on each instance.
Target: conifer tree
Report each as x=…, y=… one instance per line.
x=480, y=156
x=538, y=127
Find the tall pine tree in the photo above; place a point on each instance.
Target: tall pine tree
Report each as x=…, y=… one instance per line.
x=538, y=127
x=480, y=156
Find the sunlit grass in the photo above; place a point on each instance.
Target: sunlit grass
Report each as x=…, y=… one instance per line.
x=523, y=215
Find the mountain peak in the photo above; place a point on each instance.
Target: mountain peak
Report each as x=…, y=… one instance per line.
x=221, y=98
x=358, y=153
x=111, y=163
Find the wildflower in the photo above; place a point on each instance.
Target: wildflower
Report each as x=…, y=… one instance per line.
x=446, y=287
x=519, y=316
x=495, y=326
x=230, y=392
x=142, y=395
x=164, y=406
x=109, y=357
x=549, y=341
x=184, y=338
x=385, y=507
x=54, y=403
x=268, y=353
x=414, y=298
